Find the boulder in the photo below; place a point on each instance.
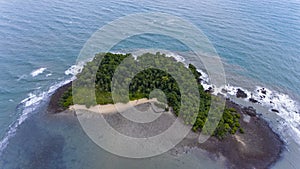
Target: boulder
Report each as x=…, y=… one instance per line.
x=253, y=100
x=263, y=91
x=224, y=90
x=209, y=90
x=241, y=94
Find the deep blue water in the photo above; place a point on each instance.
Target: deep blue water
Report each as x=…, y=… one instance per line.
x=258, y=40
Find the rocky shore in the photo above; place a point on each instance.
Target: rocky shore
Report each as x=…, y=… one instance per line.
x=258, y=147
x=54, y=106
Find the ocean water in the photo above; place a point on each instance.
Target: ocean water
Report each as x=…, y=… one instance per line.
x=259, y=43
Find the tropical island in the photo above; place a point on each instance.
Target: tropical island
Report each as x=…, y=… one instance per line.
x=242, y=137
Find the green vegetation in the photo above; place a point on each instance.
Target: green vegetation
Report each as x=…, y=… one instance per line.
x=144, y=82
x=66, y=100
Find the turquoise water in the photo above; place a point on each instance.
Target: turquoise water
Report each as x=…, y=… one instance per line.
x=259, y=42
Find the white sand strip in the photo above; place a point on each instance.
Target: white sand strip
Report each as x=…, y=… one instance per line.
x=112, y=108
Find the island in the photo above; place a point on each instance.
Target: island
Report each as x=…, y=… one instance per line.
x=242, y=137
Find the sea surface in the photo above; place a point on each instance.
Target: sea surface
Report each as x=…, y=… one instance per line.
x=258, y=41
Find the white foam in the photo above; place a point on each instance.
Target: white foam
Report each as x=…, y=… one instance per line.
x=204, y=76
x=56, y=86
x=74, y=70
x=205, y=81
x=29, y=105
x=37, y=71
x=287, y=108
x=271, y=99
x=33, y=99
x=177, y=57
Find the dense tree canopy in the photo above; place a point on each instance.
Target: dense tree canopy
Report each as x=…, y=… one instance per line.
x=144, y=81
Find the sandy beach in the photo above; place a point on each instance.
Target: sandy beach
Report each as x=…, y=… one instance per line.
x=113, y=108
x=259, y=147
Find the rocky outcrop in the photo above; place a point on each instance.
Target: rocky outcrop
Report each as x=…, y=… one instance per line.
x=275, y=110
x=209, y=90
x=253, y=100
x=54, y=105
x=241, y=94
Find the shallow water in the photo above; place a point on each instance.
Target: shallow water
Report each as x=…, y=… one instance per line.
x=58, y=141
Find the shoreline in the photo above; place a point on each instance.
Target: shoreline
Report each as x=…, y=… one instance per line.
x=112, y=108
x=258, y=147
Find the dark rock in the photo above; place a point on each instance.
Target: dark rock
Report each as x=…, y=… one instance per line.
x=224, y=90
x=275, y=110
x=253, y=100
x=260, y=146
x=249, y=110
x=241, y=94
x=54, y=106
x=262, y=97
x=263, y=91
x=209, y=90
